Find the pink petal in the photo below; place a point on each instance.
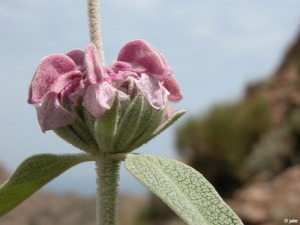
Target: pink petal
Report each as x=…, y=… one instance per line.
x=155, y=92
x=51, y=114
x=94, y=65
x=78, y=57
x=172, y=86
x=119, y=71
x=99, y=98
x=141, y=54
x=52, y=75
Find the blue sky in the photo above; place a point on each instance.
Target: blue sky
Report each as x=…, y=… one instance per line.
x=214, y=48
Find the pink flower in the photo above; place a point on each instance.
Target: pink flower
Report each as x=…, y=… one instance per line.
x=61, y=80
x=149, y=70
x=100, y=93
x=56, y=78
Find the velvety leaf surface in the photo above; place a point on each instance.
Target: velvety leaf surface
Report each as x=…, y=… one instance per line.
x=182, y=188
x=33, y=174
x=105, y=127
x=154, y=122
x=128, y=124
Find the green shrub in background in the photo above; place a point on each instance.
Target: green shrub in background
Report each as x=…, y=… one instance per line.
x=218, y=142
x=278, y=149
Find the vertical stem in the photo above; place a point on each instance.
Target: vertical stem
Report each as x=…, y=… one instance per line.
x=106, y=168
x=107, y=190
x=95, y=25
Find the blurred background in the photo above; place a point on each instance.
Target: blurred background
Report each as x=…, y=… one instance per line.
x=238, y=64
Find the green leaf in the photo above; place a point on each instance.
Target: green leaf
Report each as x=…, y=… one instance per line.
x=128, y=124
x=166, y=124
x=69, y=134
x=182, y=188
x=34, y=173
x=105, y=127
x=148, y=121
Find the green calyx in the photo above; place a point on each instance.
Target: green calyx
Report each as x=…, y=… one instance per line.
x=124, y=127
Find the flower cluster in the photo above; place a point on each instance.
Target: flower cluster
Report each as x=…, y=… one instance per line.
x=67, y=87
x=78, y=74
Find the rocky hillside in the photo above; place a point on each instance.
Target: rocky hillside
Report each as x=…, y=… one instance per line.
x=44, y=208
x=249, y=149
x=256, y=136
x=270, y=202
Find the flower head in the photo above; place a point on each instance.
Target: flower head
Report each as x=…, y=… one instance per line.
x=115, y=108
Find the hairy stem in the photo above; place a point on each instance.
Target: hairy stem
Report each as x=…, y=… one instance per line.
x=95, y=25
x=107, y=190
